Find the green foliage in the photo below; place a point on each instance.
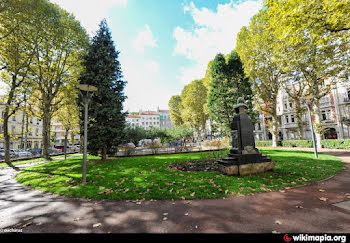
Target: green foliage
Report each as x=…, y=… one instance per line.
x=263, y=143
x=336, y=143
x=175, y=110
x=193, y=101
x=228, y=83
x=134, y=134
x=297, y=143
x=103, y=70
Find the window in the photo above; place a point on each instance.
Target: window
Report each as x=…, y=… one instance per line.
x=285, y=106
x=259, y=126
x=287, y=119
x=13, y=129
x=348, y=93
x=14, y=118
x=292, y=118
x=31, y=120
x=326, y=115
x=37, y=132
x=290, y=105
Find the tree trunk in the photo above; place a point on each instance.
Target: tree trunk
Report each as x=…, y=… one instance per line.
x=65, y=144
x=274, y=131
x=7, y=137
x=46, y=133
x=104, y=154
x=317, y=123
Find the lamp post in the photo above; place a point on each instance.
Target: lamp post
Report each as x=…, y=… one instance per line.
x=308, y=105
x=89, y=89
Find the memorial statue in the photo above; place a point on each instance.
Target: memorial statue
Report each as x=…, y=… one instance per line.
x=243, y=153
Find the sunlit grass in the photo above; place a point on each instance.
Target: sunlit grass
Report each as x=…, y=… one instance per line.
x=148, y=177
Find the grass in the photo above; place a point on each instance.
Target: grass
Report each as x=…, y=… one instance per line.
x=148, y=177
x=28, y=161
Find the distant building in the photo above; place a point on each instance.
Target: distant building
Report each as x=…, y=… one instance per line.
x=25, y=132
x=149, y=119
x=335, y=116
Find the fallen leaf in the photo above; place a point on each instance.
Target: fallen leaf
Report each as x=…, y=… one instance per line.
x=28, y=219
x=76, y=219
x=186, y=214
x=321, y=190
x=299, y=206
x=278, y=222
x=323, y=199
x=275, y=232
x=192, y=194
x=165, y=214
x=165, y=218
x=27, y=224
x=96, y=225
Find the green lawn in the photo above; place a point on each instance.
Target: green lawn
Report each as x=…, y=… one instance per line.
x=28, y=161
x=148, y=177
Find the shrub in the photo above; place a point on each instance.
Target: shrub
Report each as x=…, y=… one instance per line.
x=128, y=150
x=263, y=143
x=336, y=143
x=297, y=143
x=154, y=146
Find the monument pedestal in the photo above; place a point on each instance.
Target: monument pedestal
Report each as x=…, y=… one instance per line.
x=244, y=158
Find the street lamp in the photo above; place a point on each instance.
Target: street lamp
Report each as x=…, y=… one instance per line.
x=308, y=105
x=89, y=89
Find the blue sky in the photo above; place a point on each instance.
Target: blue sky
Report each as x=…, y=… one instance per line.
x=164, y=44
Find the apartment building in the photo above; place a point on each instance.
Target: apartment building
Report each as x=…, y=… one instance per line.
x=149, y=119
x=58, y=134
x=335, y=116
x=25, y=131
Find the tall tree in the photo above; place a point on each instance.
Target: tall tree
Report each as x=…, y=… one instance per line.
x=103, y=70
x=315, y=44
x=63, y=42
x=193, y=100
x=18, y=45
x=228, y=83
x=255, y=48
x=175, y=110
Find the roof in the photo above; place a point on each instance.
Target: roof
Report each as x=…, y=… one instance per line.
x=149, y=113
x=133, y=116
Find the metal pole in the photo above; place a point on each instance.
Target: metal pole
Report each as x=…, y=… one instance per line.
x=312, y=131
x=85, y=138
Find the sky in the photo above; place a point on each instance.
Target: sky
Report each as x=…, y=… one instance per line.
x=164, y=44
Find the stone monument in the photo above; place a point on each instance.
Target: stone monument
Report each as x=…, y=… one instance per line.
x=244, y=158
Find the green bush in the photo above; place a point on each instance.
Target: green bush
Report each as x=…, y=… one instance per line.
x=327, y=143
x=297, y=143
x=263, y=143
x=336, y=143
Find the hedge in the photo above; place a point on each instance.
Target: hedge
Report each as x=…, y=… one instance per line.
x=327, y=143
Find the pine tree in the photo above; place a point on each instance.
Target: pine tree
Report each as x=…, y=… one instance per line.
x=228, y=83
x=103, y=70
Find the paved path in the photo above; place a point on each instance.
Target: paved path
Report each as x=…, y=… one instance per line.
x=35, y=211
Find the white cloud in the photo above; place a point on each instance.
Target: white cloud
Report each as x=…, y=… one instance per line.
x=144, y=39
x=214, y=32
x=145, y=89
x=152, y=66
x=90, y=12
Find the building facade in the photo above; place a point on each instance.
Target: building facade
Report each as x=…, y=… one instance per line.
x=25, y=131
x=335, y=116
x=149, y=119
